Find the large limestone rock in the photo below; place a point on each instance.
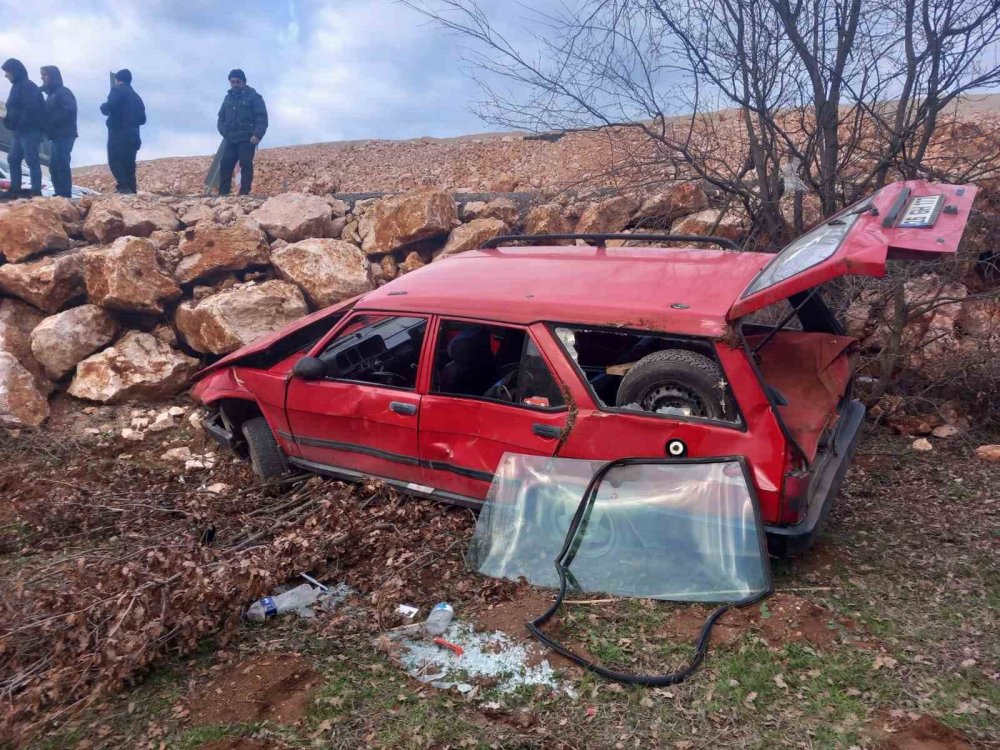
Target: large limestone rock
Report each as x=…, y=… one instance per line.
x=199, y=214
x=470, y=236
x=48, y=284
x=400, y=220
x=611, y=215
x=710, y=222
x=547, y=219
x=118, y=216
x=327, y=270
x=17, y=321
x=210, y=249
x=31, y=228
x=138, y=366
x=21, y=403
x=62, y=340
x=672, y=203
x=127, y=276
x=503, y=209
x=294, y=216
x=223, y=322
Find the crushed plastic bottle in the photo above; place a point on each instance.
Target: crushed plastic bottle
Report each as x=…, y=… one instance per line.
x=439, y=618
x=299, y=598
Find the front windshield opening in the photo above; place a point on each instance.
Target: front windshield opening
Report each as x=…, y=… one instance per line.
x=810, y=249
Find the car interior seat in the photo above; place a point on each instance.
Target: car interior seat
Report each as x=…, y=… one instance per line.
x=472, y=368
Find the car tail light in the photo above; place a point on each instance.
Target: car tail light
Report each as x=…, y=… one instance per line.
x=4, y=184
x=795, y=492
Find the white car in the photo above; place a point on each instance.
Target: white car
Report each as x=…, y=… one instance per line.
x=47, y=189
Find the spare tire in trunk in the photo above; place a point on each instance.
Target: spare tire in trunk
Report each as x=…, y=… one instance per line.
x=675, y=382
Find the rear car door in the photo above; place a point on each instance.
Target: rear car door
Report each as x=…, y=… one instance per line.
x=914, y=220
x=491, y=391
x=363, y=416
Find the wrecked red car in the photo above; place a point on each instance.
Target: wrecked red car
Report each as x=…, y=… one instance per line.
x=585, y=351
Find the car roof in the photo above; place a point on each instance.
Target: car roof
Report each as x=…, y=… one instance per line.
x=675, y=290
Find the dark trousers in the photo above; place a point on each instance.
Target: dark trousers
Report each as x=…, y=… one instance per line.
x=122, y=148
x=59, y=169
x=241, y=152
x=25, y=148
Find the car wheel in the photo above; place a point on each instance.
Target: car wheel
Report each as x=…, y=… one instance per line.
x=266, y=457
x=675, y=382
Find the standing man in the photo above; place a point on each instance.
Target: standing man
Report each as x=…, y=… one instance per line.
x=242, y=122
x=126, y=113
x=25, y=118
x=60, y=127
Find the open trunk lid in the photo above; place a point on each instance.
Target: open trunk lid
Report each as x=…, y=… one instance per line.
x=915, y=220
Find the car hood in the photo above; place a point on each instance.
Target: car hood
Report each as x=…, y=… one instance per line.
x=262, y=345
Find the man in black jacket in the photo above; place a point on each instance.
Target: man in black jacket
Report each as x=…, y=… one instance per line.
x=126, y=113
x=25, y=118
x=60, y=127
x=242, y=122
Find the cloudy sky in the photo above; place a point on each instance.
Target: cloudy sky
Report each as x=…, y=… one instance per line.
x=329, y=70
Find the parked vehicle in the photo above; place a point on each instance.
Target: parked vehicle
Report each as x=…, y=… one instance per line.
x=47, y=189
x=589, y=352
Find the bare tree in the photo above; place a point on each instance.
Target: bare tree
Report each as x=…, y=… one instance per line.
x=851, y=91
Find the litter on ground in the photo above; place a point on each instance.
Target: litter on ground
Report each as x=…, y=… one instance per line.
x=490, y=656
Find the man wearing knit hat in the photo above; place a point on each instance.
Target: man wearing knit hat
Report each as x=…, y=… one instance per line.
x=242, y=123
x=25, y=118
x=126, y=113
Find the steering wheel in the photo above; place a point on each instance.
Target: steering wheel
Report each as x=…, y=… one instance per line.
x=502, y=390
x=389, y=378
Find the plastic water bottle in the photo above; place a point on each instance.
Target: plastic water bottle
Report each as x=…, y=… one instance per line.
x=439, y=618
x=271, y=606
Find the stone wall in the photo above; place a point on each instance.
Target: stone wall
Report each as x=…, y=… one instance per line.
x=123, y=298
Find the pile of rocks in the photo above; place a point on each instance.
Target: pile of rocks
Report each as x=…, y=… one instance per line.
x=122, y=298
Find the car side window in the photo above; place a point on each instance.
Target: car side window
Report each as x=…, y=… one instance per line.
x=379, y=349
x=493, y=363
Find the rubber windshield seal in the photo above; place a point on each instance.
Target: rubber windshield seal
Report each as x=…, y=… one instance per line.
x=571, y=544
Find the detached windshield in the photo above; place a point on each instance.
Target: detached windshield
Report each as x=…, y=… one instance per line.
x=677, y=531
x=810, y=249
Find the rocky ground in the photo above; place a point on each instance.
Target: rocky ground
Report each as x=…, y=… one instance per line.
x=123, y=591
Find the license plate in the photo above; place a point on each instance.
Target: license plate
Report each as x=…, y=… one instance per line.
x=921, y=211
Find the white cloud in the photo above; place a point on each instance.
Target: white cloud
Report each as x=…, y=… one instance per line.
x=328, y=71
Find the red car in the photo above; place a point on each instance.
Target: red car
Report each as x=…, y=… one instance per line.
x=590, y=352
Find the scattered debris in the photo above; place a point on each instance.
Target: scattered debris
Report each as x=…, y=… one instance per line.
x=922, y=444
x=408, y=611
x=487, y=657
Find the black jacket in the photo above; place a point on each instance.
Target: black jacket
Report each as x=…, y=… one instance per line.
x=25, y=105
x=124, y=109
x=242, y=114
x=60, y=106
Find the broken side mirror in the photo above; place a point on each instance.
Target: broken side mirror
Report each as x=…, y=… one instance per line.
x=309, y=368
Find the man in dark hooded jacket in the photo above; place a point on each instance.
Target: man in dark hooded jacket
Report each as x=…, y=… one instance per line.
x=242, y=122
x=25, y=118
x=126, y=113
x=60, y=127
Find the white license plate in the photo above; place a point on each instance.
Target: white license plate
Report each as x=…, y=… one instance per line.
x=921, y=211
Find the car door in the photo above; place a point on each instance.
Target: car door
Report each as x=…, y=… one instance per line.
x=491, y=391
x=914, y=220
x=363, y=415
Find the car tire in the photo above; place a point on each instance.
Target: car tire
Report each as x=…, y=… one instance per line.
x=675, y=379
x=266, y=457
